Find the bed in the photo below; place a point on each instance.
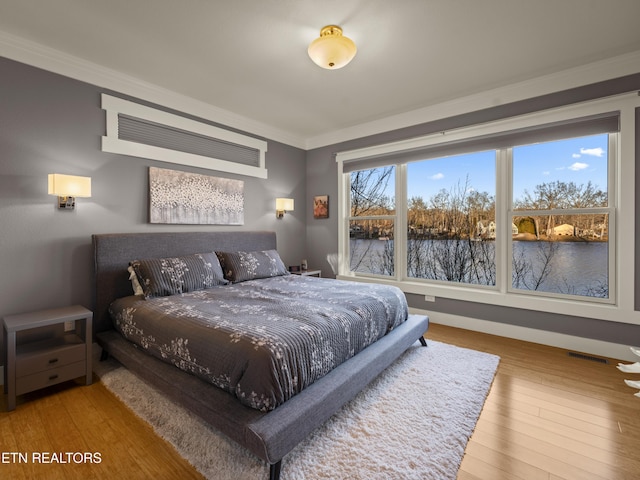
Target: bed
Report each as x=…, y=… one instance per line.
x=269, y=429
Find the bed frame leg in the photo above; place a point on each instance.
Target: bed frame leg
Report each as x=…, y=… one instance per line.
x=274, y=470
x=423, y=341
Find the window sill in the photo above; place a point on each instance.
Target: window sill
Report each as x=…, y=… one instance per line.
x=595, y=310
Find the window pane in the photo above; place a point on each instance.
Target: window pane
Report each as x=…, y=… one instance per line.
x=564, y=254
x=371, y=246
x=371, y=239
x=451, y=218
x=569, y=173
x=373, y=192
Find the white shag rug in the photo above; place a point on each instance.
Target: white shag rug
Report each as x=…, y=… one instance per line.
x=412, y=422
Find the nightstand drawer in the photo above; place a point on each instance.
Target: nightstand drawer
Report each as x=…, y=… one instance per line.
x=50, y=377
x=38, y=360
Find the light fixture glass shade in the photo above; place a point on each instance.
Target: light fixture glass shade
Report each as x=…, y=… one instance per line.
x=285, y=204
x=69, y=185
x=332, y=50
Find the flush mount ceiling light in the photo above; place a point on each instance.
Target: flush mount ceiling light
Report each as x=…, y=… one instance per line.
x=332, y=50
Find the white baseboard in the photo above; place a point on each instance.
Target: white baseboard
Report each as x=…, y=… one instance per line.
x=560, y=340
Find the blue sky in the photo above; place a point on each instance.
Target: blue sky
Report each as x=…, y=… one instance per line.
x=577, y=160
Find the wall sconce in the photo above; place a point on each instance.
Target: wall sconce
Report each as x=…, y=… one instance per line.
x=283, y=205
x=67, y=188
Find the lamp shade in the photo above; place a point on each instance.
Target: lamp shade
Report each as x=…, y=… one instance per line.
x=285, y=204
x=332, y=50
x=69, y=185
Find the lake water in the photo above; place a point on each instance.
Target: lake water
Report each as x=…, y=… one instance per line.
x=576, y=268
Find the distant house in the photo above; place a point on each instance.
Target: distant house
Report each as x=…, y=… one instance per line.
x=564, y=229
x=490, y=230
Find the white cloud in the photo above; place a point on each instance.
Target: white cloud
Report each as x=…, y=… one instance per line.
x=546, y=173
x=595, y=152
x=576, y=155
x=578, y=166
x=437, y=176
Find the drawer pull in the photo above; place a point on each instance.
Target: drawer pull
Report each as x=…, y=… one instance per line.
x=52, y=361
x=53, y=377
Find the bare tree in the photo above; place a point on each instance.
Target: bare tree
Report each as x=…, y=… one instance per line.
x=528, y=273
x=562, y=195
x=369, y=191
x=442, y=232
x=369, y=198
x=453, y=254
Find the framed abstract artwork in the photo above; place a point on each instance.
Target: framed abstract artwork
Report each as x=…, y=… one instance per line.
x=189, y=198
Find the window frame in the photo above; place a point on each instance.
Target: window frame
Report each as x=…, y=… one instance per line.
x=621, y=191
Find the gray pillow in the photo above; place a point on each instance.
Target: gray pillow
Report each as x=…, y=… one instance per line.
x=242, y=266
x=160, y=277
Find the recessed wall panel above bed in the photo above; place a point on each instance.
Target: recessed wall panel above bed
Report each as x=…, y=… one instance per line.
x=140, y=131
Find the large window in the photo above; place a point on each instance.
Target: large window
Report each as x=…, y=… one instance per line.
x=519, y=209
x=558, y=229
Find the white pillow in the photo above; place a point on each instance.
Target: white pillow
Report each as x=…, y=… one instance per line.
x=135, y=284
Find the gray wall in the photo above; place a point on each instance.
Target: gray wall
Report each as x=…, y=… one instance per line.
x=52, y=124
x=322, y=235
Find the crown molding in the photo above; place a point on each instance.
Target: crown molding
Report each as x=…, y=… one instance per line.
x=608, y=69
x=46, y=58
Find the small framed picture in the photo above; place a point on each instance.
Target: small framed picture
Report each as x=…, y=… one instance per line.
x=321, y=206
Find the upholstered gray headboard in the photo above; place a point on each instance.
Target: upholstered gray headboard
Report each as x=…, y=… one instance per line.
x=113, y=252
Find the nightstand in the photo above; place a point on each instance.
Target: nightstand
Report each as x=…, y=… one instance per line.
x=309, y=273
x=32, y=363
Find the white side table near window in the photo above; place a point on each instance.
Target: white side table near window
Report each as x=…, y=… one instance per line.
x=309, y=273
x=35, y=360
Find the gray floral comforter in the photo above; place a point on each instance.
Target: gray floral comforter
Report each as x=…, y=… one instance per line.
x=262, y=340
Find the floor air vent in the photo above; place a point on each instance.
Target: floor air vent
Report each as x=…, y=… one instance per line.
x=588, y=357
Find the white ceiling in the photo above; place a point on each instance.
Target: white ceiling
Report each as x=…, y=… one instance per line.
x=248, y=57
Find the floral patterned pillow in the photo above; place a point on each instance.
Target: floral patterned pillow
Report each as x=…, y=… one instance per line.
x=242, y=266
x=160, y=277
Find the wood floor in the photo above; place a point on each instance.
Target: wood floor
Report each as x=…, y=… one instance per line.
x=548, y=416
